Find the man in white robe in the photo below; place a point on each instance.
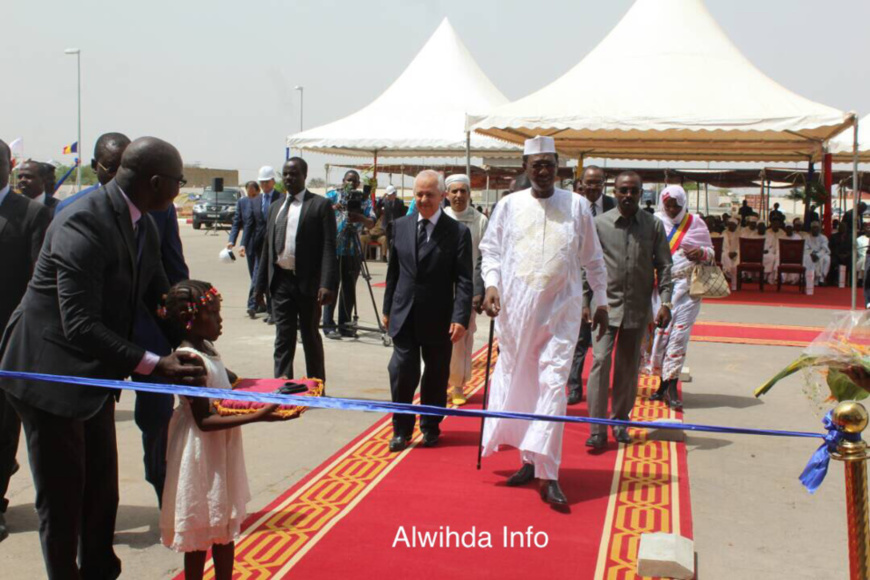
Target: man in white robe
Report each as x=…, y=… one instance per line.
x=460, y=209
x=536, y=246
x=730, y=249
x=817, y=254
x=771, y=251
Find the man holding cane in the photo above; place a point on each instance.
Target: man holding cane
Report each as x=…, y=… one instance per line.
x=533, y=254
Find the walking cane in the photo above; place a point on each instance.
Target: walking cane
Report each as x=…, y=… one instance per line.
x=485, y=388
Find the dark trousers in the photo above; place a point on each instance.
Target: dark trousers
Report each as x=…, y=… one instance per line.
x=349, y=269
x=575, y=379
x=291, y=311
x=404, y=371
x=628, y=342
x=10, y=430
x=153, y=412
x=252, y=256
x=75, y=473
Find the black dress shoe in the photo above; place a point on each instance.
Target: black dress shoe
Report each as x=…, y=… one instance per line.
x=597, y=441
x=269, y=320
x=252, y=313
x=525, y=474
x=575, y=396
x=430, y=439
x=332, y=335
x=398, y=443
x=659, y=395
x=15, y=468
x=620, y=433
x=4, y=531
x=674, y=401
x=552, y=494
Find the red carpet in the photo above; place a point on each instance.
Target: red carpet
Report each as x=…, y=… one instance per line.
x=747, y=333
x=343, y=519
x=823, y=297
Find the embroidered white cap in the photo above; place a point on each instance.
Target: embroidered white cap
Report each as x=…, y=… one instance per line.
x=539, y=144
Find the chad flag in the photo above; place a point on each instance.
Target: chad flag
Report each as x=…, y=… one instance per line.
x=74, y=148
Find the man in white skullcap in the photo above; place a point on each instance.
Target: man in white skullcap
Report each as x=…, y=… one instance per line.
x=266, y=177
x=534, y=251
x=730, y=249
x=460, y=209
x=817, y=255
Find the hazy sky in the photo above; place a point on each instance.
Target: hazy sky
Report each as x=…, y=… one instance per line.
x=216, y=78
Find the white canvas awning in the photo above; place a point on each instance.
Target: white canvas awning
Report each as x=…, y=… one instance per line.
x=668, y=84
x=841, y=145
x=414, y=117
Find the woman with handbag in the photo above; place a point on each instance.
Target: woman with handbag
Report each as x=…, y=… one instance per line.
x=691, y=250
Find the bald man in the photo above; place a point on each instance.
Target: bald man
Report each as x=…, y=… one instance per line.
x=100, y=260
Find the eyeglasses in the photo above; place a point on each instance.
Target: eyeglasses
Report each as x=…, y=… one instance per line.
x=180, y=180
x=112, y=171
x=628, y=190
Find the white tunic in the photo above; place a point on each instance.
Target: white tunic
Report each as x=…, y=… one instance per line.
x=534, y=252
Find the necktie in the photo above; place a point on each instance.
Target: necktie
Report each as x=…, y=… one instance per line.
x=594, y=210
x=281, y=227
x=421, y=232
x=139, y=234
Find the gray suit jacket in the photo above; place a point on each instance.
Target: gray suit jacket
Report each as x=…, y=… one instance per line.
x=76, y=317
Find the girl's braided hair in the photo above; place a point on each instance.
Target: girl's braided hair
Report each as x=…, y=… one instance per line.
x=182, y=303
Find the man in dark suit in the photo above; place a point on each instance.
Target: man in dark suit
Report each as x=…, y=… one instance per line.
x=107, y=159
x=392, y=208
x=250, y=219
x=299, y=268
x=32, y=184
x=427, y=304
x=22, y=227
x=100, y=260
x=153, y=411
x=591, y=186
x=266, y=178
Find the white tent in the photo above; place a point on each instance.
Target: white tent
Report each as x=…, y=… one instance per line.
x=668, y=84
x=841, y=145
x=414, y=117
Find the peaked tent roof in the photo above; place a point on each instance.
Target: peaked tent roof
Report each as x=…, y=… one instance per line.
x=841, y=145
x=406, y=121
x=668, y=84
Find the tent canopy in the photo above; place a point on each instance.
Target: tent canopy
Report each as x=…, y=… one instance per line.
x=668, y=84
x=841, y=145
x=408, y=120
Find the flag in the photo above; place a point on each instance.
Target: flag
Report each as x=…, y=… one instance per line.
x=74, y=148
x=17, y=150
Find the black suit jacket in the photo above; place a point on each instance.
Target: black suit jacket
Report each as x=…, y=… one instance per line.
x=249, y=219
x=22, y=228
x=316, y=261
x=608, y=202
x=432, y=290
x=76, y=317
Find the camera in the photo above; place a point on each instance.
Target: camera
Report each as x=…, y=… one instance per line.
x=354, y=201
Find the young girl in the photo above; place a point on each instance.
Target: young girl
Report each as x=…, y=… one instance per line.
x=206, y=486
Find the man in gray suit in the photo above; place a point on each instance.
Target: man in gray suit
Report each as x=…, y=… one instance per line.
x=100, y=259
x=637, y=255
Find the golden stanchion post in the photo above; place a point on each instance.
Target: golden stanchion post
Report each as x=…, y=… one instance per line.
x=852, y=418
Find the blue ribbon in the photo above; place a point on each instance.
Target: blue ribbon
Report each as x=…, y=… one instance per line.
x=817, y=467
x=385, y=406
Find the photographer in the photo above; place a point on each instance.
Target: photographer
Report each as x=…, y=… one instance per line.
x=353, y=211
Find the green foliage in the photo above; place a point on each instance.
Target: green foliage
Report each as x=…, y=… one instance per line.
x=89, y=177
x=843, y=388
x=817, y=193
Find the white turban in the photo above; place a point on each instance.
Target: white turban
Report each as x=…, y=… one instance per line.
x=458, y=178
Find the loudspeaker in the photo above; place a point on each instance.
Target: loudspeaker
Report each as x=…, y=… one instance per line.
x=218, y=184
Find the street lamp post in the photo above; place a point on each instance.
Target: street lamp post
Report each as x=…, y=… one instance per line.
x=79, y=147
x=301, y=90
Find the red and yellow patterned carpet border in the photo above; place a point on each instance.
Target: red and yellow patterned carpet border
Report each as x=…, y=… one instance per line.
x=646, y=496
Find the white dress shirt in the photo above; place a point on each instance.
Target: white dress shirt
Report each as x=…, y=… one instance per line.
x=40, y=198
x=287, y=255
x=433, y=221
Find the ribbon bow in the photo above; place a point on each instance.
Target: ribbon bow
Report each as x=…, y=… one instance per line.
x=817, y=467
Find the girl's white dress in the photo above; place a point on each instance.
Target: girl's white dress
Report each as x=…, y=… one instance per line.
x=206, y=487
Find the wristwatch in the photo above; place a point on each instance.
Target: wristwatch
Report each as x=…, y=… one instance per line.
x=668, y=305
